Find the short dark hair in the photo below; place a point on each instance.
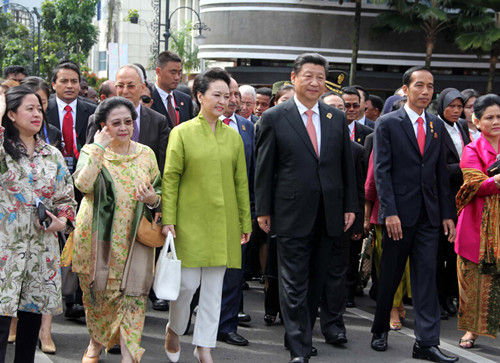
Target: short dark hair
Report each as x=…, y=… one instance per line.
x=105, y=89
x=66, y=64
x=361, y=89
x=330, y=93
x=407, y=75
x=167, y=56
x=109, y=104
x=14, y=97
x=468, y=93
x=141, y=67
x=313, y=58
x=203, y=80
x=483, y=102
x=36, y=84
x=14, y=69
x=150, y=87
x=265, y=91
x=377, y=102
x=351, y=90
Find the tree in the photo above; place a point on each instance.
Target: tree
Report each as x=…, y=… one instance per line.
x=477, y=30
x=431, y=17
x=16, y=45
x=68, y=31
x=355, y=42
x=180, y=43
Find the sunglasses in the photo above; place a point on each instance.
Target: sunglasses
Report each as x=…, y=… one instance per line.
x=145, y=99
x=352, y=105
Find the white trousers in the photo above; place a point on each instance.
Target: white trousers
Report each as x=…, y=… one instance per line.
x=207, y=317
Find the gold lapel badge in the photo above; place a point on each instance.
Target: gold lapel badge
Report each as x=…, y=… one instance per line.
x=182, y=103
x=328, y=115
x=359, y=140
x=243, y=127
x=435, y=135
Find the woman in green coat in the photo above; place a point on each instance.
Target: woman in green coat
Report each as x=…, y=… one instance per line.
x=206, y=206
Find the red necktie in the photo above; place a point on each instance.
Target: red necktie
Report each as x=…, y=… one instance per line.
x=172, y=114
x=226, y=121
x=353, y=131
x=421, y=135
x=311, y=130
x=67, y=131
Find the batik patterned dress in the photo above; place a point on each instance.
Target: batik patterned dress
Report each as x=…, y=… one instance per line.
x=30, y=272
x=110, y=312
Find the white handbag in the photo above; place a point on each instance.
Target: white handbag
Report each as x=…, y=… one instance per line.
x=167, y=281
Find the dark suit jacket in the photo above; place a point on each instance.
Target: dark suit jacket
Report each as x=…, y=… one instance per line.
x=453, y=160
x=359, y=168
x=183, y=102
x=246, y=130
x=407, y=181
x=254, y=119
x=154, y=131
x=369, y=123
x=368, y=149
x=83, y=111
x=290, y=180
x=361, y=132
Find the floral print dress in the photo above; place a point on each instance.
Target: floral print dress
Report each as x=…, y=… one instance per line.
x=30, y=272
x=109, y=313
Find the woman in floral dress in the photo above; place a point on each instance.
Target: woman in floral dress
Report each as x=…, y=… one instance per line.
x=30, y=171
x=117, y=176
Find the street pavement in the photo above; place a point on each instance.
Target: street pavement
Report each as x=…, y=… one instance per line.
x=266, y=343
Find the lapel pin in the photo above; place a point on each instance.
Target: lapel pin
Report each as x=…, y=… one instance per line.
x=435, y=135
x=243, y=127
x=359, y=140
x=328, y=115
x=182, y=103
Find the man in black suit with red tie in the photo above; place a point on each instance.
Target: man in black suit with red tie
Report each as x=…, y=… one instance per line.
x=414, y=194
x=305, y=193
x=176, y=106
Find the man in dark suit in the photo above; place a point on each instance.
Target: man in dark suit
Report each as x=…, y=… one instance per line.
x=176, y=106
x=68, y=112
x=152, y=127
x=357, y=131
x=361, y=118
x=305, y=190
x=413, y=190
x=232, y=289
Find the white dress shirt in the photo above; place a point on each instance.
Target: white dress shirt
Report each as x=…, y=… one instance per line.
x=61, y=111
x=456, y=137
x=138, y=119
x=414, y=117
x=474, y=134
x=315, y=118
x=232, y=123
x=362, y=120
x=351, y=128
x=163, y=95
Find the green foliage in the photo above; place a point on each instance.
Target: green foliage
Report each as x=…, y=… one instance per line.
x=180, y=43
x=15, y=42
x=132, y=13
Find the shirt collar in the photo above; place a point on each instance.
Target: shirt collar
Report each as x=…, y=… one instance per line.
x=412, y=114
x=303, y=109
x=232, y=118
x=138, y=110
x=163, y=94
x=362, y=120
x=61, y=104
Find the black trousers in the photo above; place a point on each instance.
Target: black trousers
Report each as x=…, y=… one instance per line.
x=352, y=276
x=334, y=293
x=271, y=293
x=28, y=327
x=420, y=242
x=302, y=265
x=447, y=281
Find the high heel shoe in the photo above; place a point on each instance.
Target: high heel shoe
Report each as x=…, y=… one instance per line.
x=87, y=359
x=269, y=319
x=12, y=338
x=47, y=347
x=173, y=357
x=196, y=354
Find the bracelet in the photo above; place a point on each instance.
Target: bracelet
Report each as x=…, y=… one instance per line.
x=157, y=203
x=102, y=147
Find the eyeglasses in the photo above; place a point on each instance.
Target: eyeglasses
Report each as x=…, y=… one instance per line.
x=352, y=105
x=145, y=99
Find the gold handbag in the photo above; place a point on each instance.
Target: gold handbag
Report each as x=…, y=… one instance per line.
x=149, y=233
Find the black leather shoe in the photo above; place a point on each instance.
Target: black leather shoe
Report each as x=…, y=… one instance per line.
x=313, y=352
x=232, y=338
x=244, y=318
x=350, y=303
x=450, y=306
x=299, y=360
x=444, y=314
x=337, y=339
x=160, y=305
x=379, y=342
x=431, y=353
x=74, y=311
x=115, y=349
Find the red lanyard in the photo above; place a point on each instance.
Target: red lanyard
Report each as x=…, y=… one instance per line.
x=353, y=131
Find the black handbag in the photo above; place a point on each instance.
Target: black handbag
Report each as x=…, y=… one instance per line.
x=494, y=168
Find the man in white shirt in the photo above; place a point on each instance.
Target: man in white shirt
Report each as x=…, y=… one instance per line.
x=247, y=103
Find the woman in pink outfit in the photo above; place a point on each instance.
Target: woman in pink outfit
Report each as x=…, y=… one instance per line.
x=478, y=235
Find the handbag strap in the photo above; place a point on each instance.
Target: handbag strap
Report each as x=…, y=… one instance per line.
x=171, y=245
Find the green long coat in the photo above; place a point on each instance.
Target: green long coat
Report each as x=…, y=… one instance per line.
x=205, y=193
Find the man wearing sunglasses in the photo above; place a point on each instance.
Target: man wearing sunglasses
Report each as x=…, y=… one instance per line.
x=357, y=131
